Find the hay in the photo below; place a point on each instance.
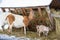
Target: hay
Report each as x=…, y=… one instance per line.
x=56, y=15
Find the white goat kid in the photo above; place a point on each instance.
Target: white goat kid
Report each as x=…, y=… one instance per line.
x=42, y=29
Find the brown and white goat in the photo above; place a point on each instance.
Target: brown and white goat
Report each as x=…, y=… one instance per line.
x=19, y=21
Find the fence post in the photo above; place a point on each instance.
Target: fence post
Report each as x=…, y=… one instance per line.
x=49, y=15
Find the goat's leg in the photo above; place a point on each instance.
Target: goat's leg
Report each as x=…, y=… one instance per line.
x=45, y=33
x=1, y=29
x=25, y=30
x=10, y=28
x=10, y=20
x=39, y=34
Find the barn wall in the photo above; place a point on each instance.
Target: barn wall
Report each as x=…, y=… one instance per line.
x=55, y=4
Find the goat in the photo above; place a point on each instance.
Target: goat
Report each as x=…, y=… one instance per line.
x=19, y=21
x=9, y=20
x=41, y=28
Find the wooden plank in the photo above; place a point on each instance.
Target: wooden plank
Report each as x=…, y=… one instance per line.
x=49, y=15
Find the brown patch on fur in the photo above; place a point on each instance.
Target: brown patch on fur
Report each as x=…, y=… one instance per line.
x=26, y=20
x=11, y=18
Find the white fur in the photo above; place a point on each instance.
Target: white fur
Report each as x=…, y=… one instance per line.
x=3, y=16
x=42, y=28
x=18, y=21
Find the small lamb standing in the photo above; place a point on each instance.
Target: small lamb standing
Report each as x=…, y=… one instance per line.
x=42, y=29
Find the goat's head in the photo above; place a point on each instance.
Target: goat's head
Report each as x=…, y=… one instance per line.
x=31, y=15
